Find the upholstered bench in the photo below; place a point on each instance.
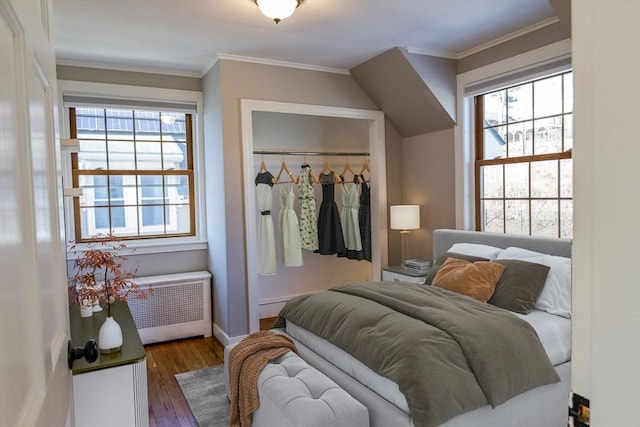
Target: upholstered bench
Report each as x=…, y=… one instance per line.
x=294, y=394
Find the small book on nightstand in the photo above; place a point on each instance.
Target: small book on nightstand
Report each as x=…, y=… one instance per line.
x=417, y=265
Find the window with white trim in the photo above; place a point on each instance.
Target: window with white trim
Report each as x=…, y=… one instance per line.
x=523, y=165
x=136, y=171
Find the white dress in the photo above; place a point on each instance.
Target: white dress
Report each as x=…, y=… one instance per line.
x=291, y=248
x=266, y=239
x=349, y=220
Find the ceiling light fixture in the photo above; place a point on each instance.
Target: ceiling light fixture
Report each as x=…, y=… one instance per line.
x=277, y=9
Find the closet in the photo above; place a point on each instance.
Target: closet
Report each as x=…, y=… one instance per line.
x=282, y=137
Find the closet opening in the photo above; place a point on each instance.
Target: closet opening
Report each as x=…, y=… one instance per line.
x=282, y=137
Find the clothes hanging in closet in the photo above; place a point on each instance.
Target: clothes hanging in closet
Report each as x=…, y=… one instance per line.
x=349, y=218
x=330, y=237
x=290, y=247
x=307, y=203
x=266, y=241
x=364, y=218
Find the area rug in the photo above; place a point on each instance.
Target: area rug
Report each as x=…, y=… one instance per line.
x=204, y=391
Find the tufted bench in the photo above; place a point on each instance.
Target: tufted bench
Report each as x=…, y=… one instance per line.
x=293, y=394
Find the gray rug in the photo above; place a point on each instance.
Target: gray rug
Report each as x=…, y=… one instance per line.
x=204, y=391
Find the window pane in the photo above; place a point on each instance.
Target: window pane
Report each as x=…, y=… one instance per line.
x=521, y=139
x=520, y=103
x=90, y=123
x=568, y=93
x=174, y=155
x=517, y=216
x=147, y=125
x=492, y=216
x=94, y=190
x=495, y=108
x=173, y=126
x=548, y=96
x=566, y=218
x=568, y=132
x=566, y=178
x=180, y=220
x=116, y=188
x=92, y=155
x=152, y=215
x=119, y=124
x=544, y=179
x=121, y=155
x=117, y=218
x=151, y=192
x=544, y=214
x=176, y=189
x=516, y=180
x=548, y=135
x=491, y=181
x=149, y=155
x=495, y=143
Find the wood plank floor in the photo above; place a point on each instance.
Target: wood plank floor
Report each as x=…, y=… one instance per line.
x=167, y=406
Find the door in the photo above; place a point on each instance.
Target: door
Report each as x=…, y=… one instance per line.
x=35, y=389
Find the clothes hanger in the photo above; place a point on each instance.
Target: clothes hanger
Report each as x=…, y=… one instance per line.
x=365, y=168
x=348, y=168
x=263, y=165
x=284, y=168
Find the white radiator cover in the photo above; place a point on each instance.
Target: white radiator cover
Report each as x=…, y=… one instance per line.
x=178, y=307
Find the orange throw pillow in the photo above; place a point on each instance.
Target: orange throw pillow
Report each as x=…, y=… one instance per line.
x=477, y=280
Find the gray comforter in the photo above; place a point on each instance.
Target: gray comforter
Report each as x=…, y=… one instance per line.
x=448, y=353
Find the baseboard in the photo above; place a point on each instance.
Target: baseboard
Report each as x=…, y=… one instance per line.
x=225, y=339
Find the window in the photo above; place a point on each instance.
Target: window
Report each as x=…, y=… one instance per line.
x=135, y=169
x=523, y=158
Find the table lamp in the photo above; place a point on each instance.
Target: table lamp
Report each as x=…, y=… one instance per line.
x=405, y=218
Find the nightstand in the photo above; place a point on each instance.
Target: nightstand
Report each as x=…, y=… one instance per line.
x=397, y=274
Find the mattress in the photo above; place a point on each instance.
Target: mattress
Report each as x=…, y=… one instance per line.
x=554, y=333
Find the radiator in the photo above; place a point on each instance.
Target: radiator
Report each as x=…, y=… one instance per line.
x=178, y=307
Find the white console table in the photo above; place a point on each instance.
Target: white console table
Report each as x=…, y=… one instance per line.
x=112, y=391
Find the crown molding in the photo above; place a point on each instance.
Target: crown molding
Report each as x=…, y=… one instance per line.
x=510, y=36
x=129, y=68
x=277, y=63
x=487, y=45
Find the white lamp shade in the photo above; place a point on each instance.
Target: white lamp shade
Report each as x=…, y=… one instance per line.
x=405, y=217
x=277, y=9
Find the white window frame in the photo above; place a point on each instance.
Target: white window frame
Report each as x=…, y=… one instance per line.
x=121, y=94
x=483, y=80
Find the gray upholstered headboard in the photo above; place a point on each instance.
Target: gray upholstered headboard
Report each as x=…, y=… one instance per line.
x=443, y=239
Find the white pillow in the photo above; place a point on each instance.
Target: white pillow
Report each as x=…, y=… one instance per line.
x=474, y=249
x=556, y=294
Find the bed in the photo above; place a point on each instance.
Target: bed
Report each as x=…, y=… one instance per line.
x=542, y=405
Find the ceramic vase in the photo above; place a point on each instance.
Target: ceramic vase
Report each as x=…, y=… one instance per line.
x=110, y=336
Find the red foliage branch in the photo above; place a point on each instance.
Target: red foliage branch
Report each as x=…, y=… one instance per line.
x=100, y=275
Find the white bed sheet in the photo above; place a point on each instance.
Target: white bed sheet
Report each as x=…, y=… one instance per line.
x=554, y=333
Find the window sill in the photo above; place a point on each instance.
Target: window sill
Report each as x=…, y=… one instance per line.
x=147, y=247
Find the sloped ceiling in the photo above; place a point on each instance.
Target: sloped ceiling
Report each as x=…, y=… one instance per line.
x=416, y=92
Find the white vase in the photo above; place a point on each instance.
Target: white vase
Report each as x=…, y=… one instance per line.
x=86, y=309
x=96, y=306
x=110, y=336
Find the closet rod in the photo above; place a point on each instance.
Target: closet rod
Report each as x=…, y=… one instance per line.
x=310, y=153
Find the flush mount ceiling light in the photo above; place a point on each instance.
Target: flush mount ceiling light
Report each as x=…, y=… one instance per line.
x=277, y=9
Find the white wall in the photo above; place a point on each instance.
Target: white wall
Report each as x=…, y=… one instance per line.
x=606, y=279
x=295, y=132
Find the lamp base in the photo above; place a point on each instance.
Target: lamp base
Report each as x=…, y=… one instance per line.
x=403, y=244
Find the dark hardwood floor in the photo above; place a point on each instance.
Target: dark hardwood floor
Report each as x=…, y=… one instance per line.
x=167, y=406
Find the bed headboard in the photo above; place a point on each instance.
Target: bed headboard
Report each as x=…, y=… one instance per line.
x=443, y=239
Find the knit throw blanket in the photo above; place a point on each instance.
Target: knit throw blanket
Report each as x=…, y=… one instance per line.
x=246, y=361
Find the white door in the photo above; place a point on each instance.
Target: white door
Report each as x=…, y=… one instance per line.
x=35, y=382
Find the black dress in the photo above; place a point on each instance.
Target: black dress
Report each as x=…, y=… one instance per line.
x=330, y=238
x=364, y=218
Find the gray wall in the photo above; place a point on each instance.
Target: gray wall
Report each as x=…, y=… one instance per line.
x=132, y=78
